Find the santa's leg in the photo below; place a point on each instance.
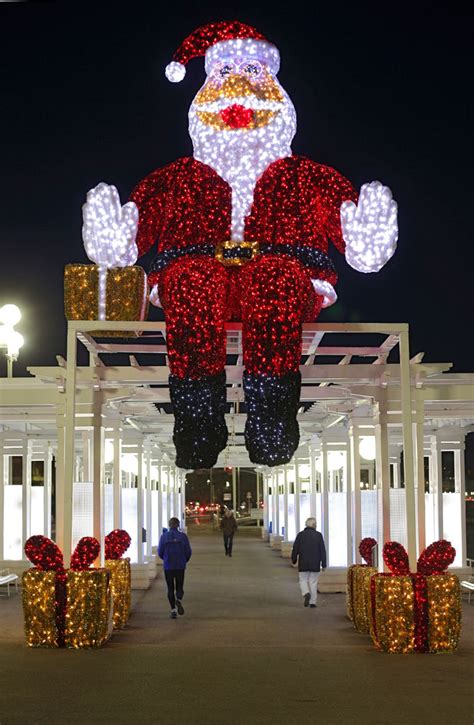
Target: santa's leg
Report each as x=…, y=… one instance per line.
x=193, y=292
x=277, y=298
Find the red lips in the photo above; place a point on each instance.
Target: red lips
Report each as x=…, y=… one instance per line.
x=236, y=116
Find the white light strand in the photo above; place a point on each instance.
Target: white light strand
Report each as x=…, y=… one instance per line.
x=370, y=229
x=245, y=48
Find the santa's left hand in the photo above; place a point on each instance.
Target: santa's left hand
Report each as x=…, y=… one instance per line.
x=370, y=229
x=154, y=296
x=326, y=290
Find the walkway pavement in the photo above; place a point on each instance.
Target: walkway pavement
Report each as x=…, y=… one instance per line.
x=246, y=651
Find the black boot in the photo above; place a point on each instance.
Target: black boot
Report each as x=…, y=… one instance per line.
x=200, y=431
x=271, y=431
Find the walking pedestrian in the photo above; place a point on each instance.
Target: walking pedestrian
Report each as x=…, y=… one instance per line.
x=310, y=552
x=175, y=550
x=229, y=527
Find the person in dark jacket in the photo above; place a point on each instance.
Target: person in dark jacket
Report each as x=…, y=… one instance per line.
x=229, y=527
x=310, y=552
x=175, y=550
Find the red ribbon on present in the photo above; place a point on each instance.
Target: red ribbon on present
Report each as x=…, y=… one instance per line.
x=117, y=543
x=433, y=560
x=47, y=556
x=365, y=549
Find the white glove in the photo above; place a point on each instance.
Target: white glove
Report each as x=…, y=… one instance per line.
x=326, y=290
x=109, y=229
x=154, y=297
x=370, y=229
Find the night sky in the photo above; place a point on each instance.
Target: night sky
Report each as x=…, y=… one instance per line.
x=381, y=93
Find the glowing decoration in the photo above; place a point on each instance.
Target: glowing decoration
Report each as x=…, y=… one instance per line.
x=116, y=544
x=367, y=448
x=304, y=471
x=416, y=612
x=87, y=608
x=108, y=451
x=65, y=608
x=370, y=229
x=335, y=461
x=242, y=232
x=126, y=293
x=10, y=316
x=130, y=463
x=358, y=587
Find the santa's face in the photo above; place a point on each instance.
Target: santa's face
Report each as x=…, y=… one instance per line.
x=242, y=101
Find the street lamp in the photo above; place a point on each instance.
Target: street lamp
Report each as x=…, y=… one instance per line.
x=10, y=339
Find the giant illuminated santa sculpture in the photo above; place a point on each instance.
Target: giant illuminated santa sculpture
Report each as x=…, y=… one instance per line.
x=241, y=231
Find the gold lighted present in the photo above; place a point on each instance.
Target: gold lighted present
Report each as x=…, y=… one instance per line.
x=120, y=580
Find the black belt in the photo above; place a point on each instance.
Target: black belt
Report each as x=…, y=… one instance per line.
x=238, y=253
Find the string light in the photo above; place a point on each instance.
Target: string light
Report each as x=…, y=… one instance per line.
x=65, y=608
x=358, y=586
x=416, y=612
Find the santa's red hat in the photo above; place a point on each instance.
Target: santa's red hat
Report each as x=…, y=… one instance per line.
x=219, y=42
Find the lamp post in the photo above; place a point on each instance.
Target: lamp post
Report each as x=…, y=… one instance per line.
x=10, y=339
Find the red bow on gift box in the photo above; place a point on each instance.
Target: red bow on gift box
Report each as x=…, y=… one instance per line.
x=365, y=549
x=433, y=560
x=117, y=543
x=47, y=556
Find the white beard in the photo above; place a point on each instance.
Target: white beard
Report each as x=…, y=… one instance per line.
x=241, y=156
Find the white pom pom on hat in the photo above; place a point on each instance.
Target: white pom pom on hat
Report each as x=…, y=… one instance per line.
x=175, y=72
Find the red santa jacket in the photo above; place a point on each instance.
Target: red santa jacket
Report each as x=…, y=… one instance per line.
x=296, y=203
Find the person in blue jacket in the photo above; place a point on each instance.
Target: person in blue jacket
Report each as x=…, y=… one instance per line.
x=175, y=550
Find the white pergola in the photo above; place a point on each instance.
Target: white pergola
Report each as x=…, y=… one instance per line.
x=90, y=416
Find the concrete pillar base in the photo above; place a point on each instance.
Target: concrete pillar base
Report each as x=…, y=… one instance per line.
x=264, y=533
x=275, y=541
x=152, y=563
x=140, y=576
x=286, y=549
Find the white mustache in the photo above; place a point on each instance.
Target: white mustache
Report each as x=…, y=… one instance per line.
x=250, y=102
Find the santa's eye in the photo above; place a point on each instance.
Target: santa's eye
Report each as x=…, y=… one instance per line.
x=225, y=70
x=251, y=69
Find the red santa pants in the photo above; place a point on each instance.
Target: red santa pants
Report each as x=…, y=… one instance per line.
x=271, y=295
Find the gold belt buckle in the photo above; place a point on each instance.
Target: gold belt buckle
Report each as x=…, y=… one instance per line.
x=224, y=253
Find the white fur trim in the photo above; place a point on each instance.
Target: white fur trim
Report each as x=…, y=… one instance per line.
x=243, y=48
x=326, y=290
x=175, y=72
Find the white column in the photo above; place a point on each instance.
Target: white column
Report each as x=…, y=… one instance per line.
x=312, y=484
x=160, y=498
x=48, y=463
x=140, y=501
x=266, y=513
x=26, y=484
x=117, y=478
x=64, y=537
x=356, y=519
x=460, y=488
x=418, y=436
x=346, y=486
x=274, y=501
x=176, y=510
x=408, y=465
x=382, y=458
x=3, y=483
x=234, y=489
x=182, y=496
x=436, y=483
x=257, y=477
x=298, y=525
x=148, y=500
x=59, y=465
x=324, y=497
x=86, y=456
x=98, y=470
x=285, y=501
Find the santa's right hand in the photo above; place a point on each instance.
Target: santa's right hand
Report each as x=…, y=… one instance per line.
x=154, y=296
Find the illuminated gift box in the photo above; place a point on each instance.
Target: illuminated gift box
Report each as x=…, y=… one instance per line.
x=418, y=612
x=65, y=608
x=116, y=544
x=112, y=288
x=124, y=297
x=358, y=581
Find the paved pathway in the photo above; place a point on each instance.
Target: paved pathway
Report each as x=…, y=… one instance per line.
x=246, y=651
